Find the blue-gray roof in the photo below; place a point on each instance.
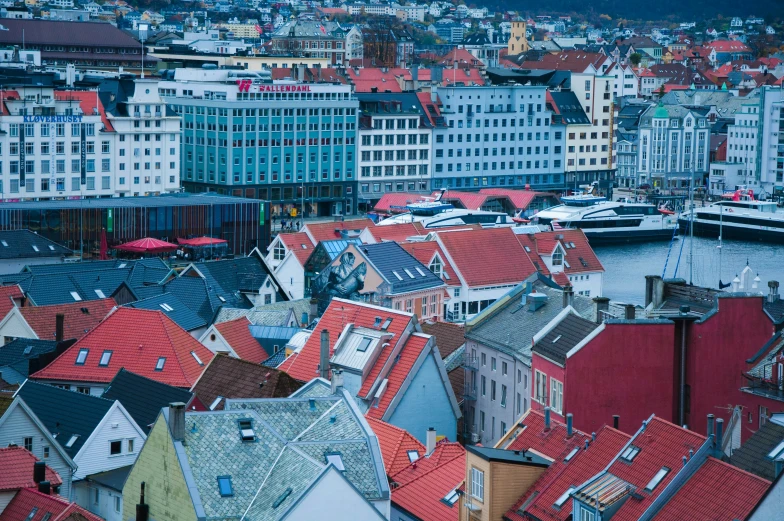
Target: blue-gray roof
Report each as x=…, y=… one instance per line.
x=163, y=200
x=272, y=332
x=404, y=272
x=172, y=307
x=334, y=247
x=16, y=244
x=22, y=354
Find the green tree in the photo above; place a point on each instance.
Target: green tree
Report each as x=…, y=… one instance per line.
x=635, y=58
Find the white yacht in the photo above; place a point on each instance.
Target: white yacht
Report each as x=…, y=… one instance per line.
x=605, y=222
x=737, y=219
x=433, y=213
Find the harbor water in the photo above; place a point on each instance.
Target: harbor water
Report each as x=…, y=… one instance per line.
x=626, y=265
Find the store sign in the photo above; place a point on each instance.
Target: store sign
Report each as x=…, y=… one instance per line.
x=244, y=86
x=52, y=119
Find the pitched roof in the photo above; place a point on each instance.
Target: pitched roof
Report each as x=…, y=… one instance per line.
x=230, y=277
x=138, y=339
x=275, y=314
x=574, y=61
x=20, y=244
x=565, y=335
x=752, y=456
x=449, y=336
x=487, y=257
x=325, y=231
x=395, y=444
x=520, y=198
x=17, y=464
x=65, y=413
x=228, y=377
x=396, y=232
x=299, y=244
x=424, y=253
x=171, y=306
x=237, y=334
x=403, y=271
x=7, y=296
x=53, y=507
x=715, y=487
x=51, y=32
x=17, y=355
x=395, y=199
x=530, y=434
x=407, y=357
x=79, y=317
x=727, y=46
x=303, y=366
x=142, y=397
x=425, y=483
x=579, y=256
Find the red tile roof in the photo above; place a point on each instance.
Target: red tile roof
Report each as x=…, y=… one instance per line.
x=662, y=444
x=7, y=296
x=469, y=76
x=546, y=443
x=395, y=444
x=237, y=334
x=468, y=200
x=520, y=198
x=330, y=230
x=390, y=199
x=407, y=358
x=575, y=61
x=370, y=77
x=716, y=487
x=727, y=46
x=6, y=95
x=487, y=257
x=58, y=507
x=79, y=317
x=303, y=366
x=396, y=232
x=17, y=464
x=561, y=475
x=424, y=483
x=462, y=57
x=137, y=338
x=88, y=101
x=299, y=244
x=581, y=258
x=431, y=107
x=311, y=74
x=424, y=253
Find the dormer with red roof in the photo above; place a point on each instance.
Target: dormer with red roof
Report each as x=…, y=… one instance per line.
x=331, y=230
x=40, y=322
x=233, y=337
x=381, y=356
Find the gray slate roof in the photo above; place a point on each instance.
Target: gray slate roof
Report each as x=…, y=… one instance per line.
x=274, y=314
x=395, y=264
x=172, y=307
x=113, y=479
x=16, y=244
x=563, y=337
x=752, y=456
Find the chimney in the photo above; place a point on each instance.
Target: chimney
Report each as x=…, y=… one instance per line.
x=142, y=509
x=177, y=420
x=44, y=488
x=719, y=435
x=602, y=305
x=568, y=296
x=324, y=355
x=773, y=291
x=337, y=381
x=546, y=418
x=616, y=421
x=39, y=471
x=629, y=312
x=711, y=421
x=313, y=308
x=569, y=429
x=430, y=446
x=59, y=330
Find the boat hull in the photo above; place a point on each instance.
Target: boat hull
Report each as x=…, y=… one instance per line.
x=627, y=236
x=731, y=231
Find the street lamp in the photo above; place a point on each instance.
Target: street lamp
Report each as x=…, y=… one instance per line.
x=143, y=36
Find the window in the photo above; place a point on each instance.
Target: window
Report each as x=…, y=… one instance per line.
x=451, y=498
x=558, y=257
x=224, y=486
x=571, y=454
x=335, y=459
x=117, y=504
x=130, y=446
x=541, y=387
x=46, y=452
x=75, y=295
x=556, y=395
x=492, y=363
x=478, y=484
x=82, y=356
x=28, y=444
x=96, y=496
x=630, y=453
x=161, y=362
x=492, y=390
x=115, y=447
x=563, y=497
x=196, y=357
x=503, y=395
x=655, y=480
x=106, y=356
x=504, y=368
x=71, y=441
x=413, y=455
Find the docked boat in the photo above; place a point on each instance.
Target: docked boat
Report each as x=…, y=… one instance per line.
x=744, y=219
x=434, y=213
x=607, y=222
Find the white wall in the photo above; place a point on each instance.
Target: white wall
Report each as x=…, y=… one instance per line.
x=84, y=496
x=94, y=455
x=14, y=326
x=769, y=508
x=5, y=498
x=291, y=276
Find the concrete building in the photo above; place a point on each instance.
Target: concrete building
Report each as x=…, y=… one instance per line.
x=770, y=151
x=318, y=39
x=247, y=135
x=498, y=136
x=518, y=41
x=742, y=143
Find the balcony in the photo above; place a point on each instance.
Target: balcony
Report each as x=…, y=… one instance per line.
x=763, y=387
x=469, y=392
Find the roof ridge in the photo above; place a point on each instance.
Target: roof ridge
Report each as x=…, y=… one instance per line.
x=733, y=467
x=427, y=472
x=81, y=395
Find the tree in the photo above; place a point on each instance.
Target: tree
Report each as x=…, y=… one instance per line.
x=635, y=58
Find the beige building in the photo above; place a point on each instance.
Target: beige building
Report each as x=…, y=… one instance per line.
x=518, y=43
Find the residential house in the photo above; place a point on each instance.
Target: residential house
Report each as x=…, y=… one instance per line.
x=20, y=248
x=729, y=50
x=286, y=458
x=23, y=356
x=287, y=254
x=32, y=505
x=430, y=254
x=293, y=313
x=763, y=452
x=41, y=322
x=343, y=229
x=323, y=255
x=234, y=338
x=383, y=274
x=399, y=448
x=170, y=305
x=21, y=470
x=394, y=370
x=146, y=342
x=231, y=378
x=11, y=296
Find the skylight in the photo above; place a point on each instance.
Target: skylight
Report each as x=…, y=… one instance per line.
x=81, y=358
x=28, y=350
x=246, y=430
x=4, y=243
x=777, y=451
x=396, y=274
x=32, y=514
x=47, y=516
x=221, y=298
x=630, y=453
x=35, y=248
x=451, y=498
x=122, y=265
x=408, y=272
x=563, y=497
x=654, y=482
x=166, y=307
x=216, y=403
x=527, y=249
x=556, y=339
x=335, y=459
x=420, y=271
x=51, y=247
x=224, y=486
x=363, y=344
x=159, y=365
x=76, y=296
x=196, y=357
x=571, y=453
x=105, y=357
x=386, y=324
x=100, y=293
x=71, y=441
x=413, y=455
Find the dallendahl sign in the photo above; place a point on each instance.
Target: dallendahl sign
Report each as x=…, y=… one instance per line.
x=244, y=86
x=52, y=119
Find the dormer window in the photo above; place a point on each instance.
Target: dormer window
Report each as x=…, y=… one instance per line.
x=558, y=257
x=436, y=266
x=335, y=459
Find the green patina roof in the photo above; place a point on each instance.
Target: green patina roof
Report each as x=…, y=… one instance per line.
x=661, y=112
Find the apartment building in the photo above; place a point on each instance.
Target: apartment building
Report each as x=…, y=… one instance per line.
x=770, y=152
x=247, y=135
x=498, y=136
x=742, y=142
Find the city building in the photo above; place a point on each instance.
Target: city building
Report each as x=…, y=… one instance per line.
x=498, y=136
x=247, y=135
x=742, y=141
x=310, y=38
x=770, y=145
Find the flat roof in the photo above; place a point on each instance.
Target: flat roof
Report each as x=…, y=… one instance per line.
x=515, y=457
x=155, y=201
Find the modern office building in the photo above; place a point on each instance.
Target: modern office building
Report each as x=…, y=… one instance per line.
x=244, y=134
x=770, y=149
x=498, y=136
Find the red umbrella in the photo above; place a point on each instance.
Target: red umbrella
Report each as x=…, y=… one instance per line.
x=201, y=241
x=104, y=247
x=147, y=245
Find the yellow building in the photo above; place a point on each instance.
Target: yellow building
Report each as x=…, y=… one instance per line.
x=240, y=31
x=518, y=43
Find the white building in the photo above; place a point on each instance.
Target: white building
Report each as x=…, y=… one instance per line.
x=770, y=156
x=742, y=146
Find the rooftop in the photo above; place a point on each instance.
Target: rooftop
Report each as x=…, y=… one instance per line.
x=30, y=505
x=17, y=464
